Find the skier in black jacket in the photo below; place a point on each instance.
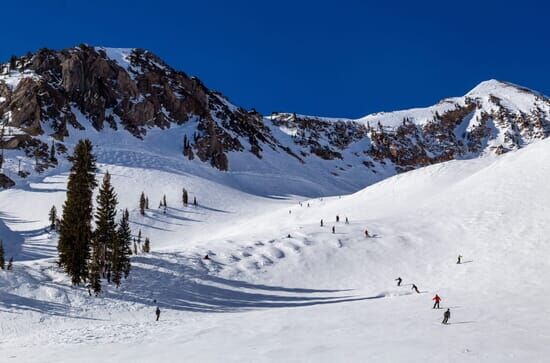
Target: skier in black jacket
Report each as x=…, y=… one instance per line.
x=399, y=280
x=446, y=317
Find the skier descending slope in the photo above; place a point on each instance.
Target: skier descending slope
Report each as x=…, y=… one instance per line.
x=446, y=316
x=321, y=223
x=459, y=260
x=415, y=288
x=333, y=229
x=399, y=280
x=367, y=233
x=437, y=299
x=157, y=312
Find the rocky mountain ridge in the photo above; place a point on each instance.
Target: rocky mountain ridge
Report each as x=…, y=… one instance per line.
x=50, y=95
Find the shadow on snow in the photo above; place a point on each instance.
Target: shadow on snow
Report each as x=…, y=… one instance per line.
x=176, y=285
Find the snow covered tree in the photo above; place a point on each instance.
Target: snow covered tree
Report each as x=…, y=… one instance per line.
x=53, y=218
x=2, y=260
x=105, y=235
x=185, y=197
x=142, y=204
x=75, y=232
x=147, y=245
x=125, y=243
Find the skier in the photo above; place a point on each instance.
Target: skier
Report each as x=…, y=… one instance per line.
x=415, y=288
x=157, y=312
x=399, y=279
x=347, y=220
x=308, y=205
x=367, y=233
x=437, y=299
x=289, y=212
x=333, y=229
x=289, y=236
x=459, y=261
x=321, y=223
x=446, y=316
x=89, y=287
x=206, y=257
x=337, y=218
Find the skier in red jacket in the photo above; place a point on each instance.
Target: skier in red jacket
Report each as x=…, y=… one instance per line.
x=437, y=299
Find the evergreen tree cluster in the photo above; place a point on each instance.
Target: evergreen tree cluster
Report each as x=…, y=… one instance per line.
x=84, y=254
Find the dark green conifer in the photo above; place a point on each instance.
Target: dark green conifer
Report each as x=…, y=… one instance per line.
x=75, y=232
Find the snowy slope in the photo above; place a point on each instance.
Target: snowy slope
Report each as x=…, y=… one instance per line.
x=315, y=296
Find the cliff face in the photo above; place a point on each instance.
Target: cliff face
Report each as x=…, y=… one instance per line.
x=46, y=96
x=132, y=89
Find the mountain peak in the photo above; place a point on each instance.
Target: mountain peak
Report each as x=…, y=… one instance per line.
x=499, y=88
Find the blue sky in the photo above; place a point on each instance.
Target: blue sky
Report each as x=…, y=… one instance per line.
x=332, y=58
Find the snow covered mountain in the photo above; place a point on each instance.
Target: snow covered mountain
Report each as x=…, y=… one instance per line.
x=131, y=97
x=278, y=285
x=313, y=296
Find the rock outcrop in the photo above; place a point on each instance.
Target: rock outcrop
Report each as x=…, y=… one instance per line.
x=51, y=94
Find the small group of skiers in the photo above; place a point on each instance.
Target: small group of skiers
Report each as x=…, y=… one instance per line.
x=437, y=299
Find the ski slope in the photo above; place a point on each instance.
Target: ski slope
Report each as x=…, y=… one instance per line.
x=312, y=297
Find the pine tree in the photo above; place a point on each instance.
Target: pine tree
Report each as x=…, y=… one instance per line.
x=142, y=204
x=135, y=248
x=53, y=159
x=53, y=217
x=95, y=271
x=13, y=62
x=10, y=264
x=146, y=202
x=2, y=146
x=195, y=201
x=2, y=260
x=164, y=201
x=125, y=243
x=105, y=235
x=185, y=197
x=139, y=237
x=75, y=232
x=147, y=245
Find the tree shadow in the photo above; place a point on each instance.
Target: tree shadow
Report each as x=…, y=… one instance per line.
x=11, y=302
x=179, y=286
